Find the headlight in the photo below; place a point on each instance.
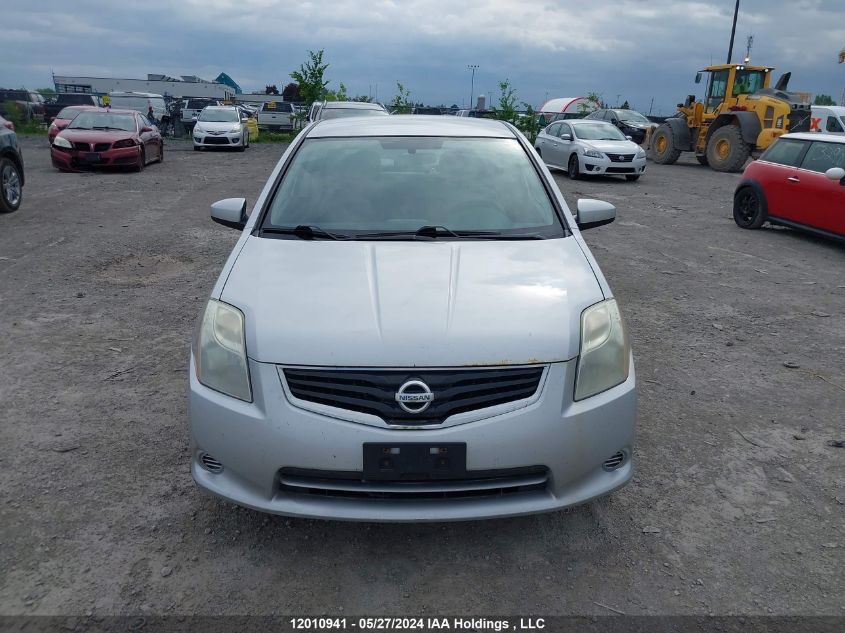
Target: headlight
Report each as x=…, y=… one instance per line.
x=605, y=352
x=640, y=153
x=127, y=142
x=220, y=351
x=593, y=153
x=60, y=141
x=236, y=128
x=198, y=128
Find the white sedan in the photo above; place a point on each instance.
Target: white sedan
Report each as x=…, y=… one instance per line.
x=585, y=147
x=220, y=126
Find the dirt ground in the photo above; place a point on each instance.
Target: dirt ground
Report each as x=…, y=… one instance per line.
x=738, y=502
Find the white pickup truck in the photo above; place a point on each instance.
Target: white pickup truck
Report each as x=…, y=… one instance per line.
x=276, y=115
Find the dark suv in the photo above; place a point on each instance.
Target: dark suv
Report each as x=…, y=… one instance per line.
x=630, y=122
x=11, y=168
x=30, y=103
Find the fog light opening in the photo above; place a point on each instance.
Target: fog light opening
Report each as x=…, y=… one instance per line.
x=211, y=464
x=614, y=462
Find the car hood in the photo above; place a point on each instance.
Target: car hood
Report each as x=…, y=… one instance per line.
x=402, y=304
x=640, y=125
x=210, y=126
x=95, y=136
x=614, y=147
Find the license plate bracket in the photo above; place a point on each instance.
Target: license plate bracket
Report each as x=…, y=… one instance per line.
x=90, y=158
x=414, y=461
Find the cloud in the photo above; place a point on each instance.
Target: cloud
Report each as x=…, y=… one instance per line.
x=639, y=49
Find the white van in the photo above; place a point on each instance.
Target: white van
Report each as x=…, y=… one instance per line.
x=828, y=119
x=140, y=102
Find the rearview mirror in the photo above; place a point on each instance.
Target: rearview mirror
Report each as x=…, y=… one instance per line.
x=698, y=78
x=565, y=137
x=593, y=213
x=230, y=212
x=836, y=173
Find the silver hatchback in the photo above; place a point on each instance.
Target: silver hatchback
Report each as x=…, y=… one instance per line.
x=411, y=328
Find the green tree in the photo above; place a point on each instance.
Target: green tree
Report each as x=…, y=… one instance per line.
x=46, y=92
x=401, y=103
x=584, y=109
x=625, y=105
x=524, y=120
x=309, y=77
x=823, y=100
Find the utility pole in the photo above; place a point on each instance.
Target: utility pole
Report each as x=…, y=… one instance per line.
x=651, y=106
x=748, y=44
x=733, y=32
x=471, y=67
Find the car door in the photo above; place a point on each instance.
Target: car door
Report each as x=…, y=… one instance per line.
x=151, y=149
x=548, y=143
x=779, y=177
x=567, y=146
x=822, y=199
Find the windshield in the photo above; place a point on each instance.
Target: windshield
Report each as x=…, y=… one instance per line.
x=218, y=115
x=400, y=184
x=630, y=115
x=68, y=113
x=589, y=131
x=748, y=81
x=338, y=113
x=103, y=121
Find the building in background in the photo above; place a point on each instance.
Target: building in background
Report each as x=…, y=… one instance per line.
x=186, y=86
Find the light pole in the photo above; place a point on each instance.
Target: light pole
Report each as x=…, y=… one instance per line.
x=471, y=67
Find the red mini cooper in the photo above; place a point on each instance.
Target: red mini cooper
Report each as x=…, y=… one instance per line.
x=799, y=182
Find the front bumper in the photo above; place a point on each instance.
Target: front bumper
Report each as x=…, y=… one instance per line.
x=75, y=160
x=254, y=441
x=604, y=166
x=230, y=139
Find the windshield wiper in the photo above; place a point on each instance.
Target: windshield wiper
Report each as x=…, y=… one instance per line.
x=107, y=127
x=305, y=232
x=432, y=232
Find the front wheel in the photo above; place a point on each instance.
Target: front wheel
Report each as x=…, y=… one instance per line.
x=749, y=209
x=663, y=147
x=11, y=188
x=161, y=153
x=142, y=160
x=574, y=170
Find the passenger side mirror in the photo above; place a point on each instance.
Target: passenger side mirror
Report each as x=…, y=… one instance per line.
x=146, y=128
x=630, y=138
x=230, y=212
x=836, y=173
x=565, y=137
x=592, y=213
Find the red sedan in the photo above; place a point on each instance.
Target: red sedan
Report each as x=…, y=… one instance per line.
x=107, y=138
x=63, y=119
x=799, y=182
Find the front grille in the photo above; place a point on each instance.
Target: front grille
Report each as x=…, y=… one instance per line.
x=620, y=158
x=352, y=485
x=374, y=391
x=620, y=170
x=214, y=140
x=102, y=147
x=82, y=147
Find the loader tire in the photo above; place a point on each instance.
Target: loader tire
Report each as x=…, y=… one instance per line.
x=726, y=150
x=663, y=147
x=702, y=160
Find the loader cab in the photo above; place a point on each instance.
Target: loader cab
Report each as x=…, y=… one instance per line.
x=731, y=81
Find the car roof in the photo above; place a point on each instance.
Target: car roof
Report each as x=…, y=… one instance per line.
x=363, y=105
x=816, y=136
x=407, y=125
x=584, y=121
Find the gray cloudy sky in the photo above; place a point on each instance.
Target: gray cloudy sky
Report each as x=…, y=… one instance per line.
x=637, y=49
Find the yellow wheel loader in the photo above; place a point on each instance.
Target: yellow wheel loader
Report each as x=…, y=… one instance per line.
x=739, y=116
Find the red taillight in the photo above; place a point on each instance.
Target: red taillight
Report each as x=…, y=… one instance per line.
x=9, y=125
x=127, y=142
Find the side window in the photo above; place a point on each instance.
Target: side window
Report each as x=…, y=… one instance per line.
x=833, y=125
x=785, y=152
x=718, y=88
x=565, y=128
x=822, y=156
x=553, y=129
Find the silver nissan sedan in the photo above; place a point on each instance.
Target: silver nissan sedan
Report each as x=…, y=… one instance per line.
x=411, y=328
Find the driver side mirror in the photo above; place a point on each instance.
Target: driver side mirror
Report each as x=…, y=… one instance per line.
x=836, y=173
x=146, y=128
x=565, y=137
x=592, y=213
x=230, y=212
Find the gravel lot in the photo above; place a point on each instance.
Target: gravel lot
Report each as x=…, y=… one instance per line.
x=737, y=504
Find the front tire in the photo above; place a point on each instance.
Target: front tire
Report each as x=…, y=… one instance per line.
x=161, y=153
x=663, y=147
x=574, y=170
x=11, y=187
x=142, y=160
x=726, y=150
x=749, y=208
